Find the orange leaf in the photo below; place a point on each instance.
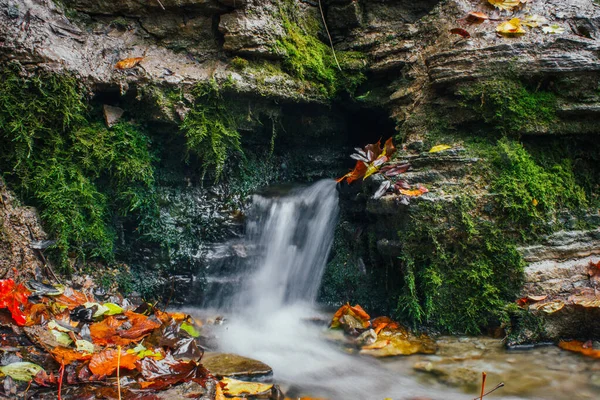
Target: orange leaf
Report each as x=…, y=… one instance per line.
x=128, y=63
x=71, y=298
x=109, y=330
x=579, y=347
x=355, y=311
x=358, y=172
x=415, y=192
x=461, y=32
x=105, y=362
x=475, y=17
x=64, y=355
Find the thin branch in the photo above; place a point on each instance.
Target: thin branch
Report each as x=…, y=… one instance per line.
x=161, y=4
x=498, y=386
x=329, y=36
x=483, y=375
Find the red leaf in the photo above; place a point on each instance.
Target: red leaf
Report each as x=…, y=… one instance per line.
x=13, y=296
x=460, y=32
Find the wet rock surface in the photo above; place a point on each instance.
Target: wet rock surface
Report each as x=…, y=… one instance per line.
x=235, y=366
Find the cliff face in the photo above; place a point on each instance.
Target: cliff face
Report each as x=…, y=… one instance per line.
x=401, y=72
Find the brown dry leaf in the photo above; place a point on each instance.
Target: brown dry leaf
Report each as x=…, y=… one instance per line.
x=579, y=347
x=129, y=63
x=594, y=271
x=105, y=362
x=64, y=355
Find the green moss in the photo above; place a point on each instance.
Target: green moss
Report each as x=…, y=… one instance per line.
x=528, y=193
x=307, y=58
x=459, y=271
x=509, y=106
x=210, y=129
x=239, y=63
x=77, y=173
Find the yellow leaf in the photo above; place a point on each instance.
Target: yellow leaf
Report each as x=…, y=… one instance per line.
x=236, y=388
x=371, y=169
x=505, y=4
x=534, y=21
x=439, y=147
x=535, y=202
x=553, y=29
x=511, y=28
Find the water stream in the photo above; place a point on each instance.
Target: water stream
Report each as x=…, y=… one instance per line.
x=271, y=304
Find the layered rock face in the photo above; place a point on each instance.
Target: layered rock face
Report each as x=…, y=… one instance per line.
x=432, y=86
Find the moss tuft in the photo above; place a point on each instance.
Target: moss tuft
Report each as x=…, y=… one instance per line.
x=77, y=173
x=308, y=58
x=210, y=129
x=509, y=106
x=459, y=271
x=529, y=194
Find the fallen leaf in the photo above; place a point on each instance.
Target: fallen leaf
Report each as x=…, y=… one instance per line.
x=475, y=17
x=511, y=28
x=439, y=147
x=85, y=346
x=21, y=371
x=461, y=32
x=383, y=187
x=129, y=63
x=554, y=29
x=105, y=362
x=420, y=190
x=159, y=374
x=534, y=21
x=354, y=311
x=235, y=388
x=64, y=355
x=71, y=299
x=549, y=307
x=523, y=301
x=111, y=331
x=579, y=347
x=14, y=297
x=505, y=4
x=370, y=160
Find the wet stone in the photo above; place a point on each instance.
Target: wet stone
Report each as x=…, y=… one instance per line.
x=233, y=365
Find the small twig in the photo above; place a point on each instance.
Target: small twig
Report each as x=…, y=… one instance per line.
x=483, y=376
x=498, y=386
x=328, y=35
x=60, y=379
x=119, y=371
x=163, y=7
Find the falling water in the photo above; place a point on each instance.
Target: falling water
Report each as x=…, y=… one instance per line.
x=290, y=238
x=293, y=235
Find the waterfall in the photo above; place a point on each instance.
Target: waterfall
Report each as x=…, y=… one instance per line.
x=292, y=235
x=280, y=263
